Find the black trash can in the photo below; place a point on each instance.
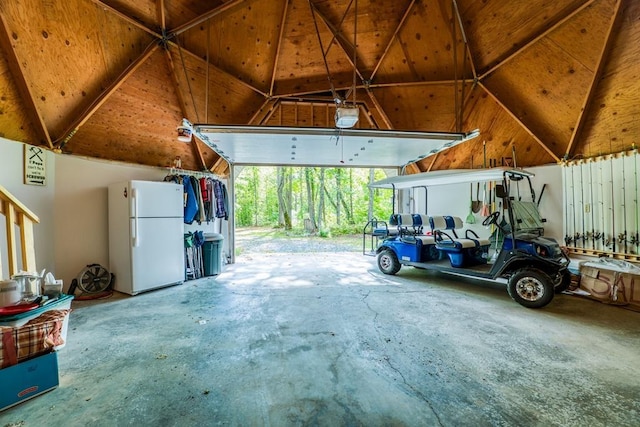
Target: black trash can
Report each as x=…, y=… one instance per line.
x=212, y=254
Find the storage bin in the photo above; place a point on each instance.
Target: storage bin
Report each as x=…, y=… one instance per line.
x=63, y=303
x=212, y=254
x=28, y=379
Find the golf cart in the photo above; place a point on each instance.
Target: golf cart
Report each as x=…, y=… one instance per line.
x=533, y=266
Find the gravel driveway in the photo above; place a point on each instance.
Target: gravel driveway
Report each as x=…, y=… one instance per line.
x=267, y=240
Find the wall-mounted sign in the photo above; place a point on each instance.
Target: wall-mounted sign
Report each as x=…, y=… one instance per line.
x=35, y=165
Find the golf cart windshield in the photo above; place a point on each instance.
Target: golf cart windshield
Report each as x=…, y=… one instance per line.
x=527, y=217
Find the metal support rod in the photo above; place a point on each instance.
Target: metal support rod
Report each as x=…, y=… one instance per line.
x=575, y=236
x=567, y=238
x=600, y=162
x=613, y=212
x=593, y=218
x=622, y=238
x=582, y=214
x=635, y=175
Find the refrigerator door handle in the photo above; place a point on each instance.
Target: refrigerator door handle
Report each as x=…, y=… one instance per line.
x=134, y=202
x=134, y=232
x=134, y=217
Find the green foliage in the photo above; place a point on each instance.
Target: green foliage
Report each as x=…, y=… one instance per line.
x=324, y=233
x=257, y=198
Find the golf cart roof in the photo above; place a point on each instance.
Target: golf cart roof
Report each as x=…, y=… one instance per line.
x=451, y=176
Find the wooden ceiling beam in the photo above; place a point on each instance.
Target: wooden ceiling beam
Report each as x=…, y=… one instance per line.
x=102, y=98
x=309, y=100
x=231, y=76
x=162, y=17
x=276, y=107
x=381, y=111
x=341, y=41
x=537, y=37
x=467, y=50
x=604, y=53
x=433, y=162
x=254, y=118
x=417, y=83
x=17, y=72
x=130, y=20
x=369, y=116
x=337, y=33
x=205, y=16
x=525, y=127
x=365, y=86
x=393, y=37
x=280, y=37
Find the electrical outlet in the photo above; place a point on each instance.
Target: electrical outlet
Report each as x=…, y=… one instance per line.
x=587, y=208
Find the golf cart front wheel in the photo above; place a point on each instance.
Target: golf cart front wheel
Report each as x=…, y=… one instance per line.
x=563, y=281
x=531, y=288
x=388, y=262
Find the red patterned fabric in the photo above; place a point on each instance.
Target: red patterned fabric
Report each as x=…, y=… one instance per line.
x=37, y=336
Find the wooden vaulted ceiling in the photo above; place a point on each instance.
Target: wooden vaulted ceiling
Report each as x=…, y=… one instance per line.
x=113, y=78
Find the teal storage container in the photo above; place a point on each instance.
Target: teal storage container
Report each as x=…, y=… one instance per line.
x=212, y=254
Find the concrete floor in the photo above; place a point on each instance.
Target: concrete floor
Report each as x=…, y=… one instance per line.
x=294, y=340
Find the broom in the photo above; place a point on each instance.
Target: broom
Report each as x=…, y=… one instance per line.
x=471, y=217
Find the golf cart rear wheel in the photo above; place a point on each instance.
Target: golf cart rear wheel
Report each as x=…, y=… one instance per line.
x=531, y=288
x=388, y=262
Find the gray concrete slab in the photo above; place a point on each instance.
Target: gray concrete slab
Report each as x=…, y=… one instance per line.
x=325, y=339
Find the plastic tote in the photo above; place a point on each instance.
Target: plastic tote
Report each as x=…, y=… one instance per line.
x=212, y=254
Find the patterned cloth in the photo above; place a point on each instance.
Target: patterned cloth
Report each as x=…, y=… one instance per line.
x=37, y=336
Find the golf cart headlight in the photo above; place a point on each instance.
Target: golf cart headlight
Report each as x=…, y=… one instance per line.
x=542, y=251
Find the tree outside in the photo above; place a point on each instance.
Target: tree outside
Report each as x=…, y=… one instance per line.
x=310, y=200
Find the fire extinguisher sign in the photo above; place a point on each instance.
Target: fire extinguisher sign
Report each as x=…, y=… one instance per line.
x=35, y=165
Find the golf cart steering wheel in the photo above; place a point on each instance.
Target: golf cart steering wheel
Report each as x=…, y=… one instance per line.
x=491, y=219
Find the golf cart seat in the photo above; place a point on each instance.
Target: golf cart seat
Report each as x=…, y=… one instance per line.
x=461, y=251
x=453, y=223
x=405, y=224
x=383, y=228
x=419, y=222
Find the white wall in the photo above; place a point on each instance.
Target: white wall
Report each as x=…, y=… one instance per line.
x=39, y=199
x=82, y=211
x=72, y=207
x=455, y=200
x=81, y=221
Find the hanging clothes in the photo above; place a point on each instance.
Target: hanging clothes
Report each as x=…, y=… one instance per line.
x=199, y=216
x=205, y=199
x=206, y=188
x=191, y=202
x=220, y=191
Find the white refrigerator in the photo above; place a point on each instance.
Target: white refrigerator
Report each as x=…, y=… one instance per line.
x=146, y=243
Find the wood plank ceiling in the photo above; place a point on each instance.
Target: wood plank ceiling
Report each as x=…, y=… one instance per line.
x=112, y=79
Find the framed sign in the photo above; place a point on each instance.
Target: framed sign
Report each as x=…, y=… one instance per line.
x=35, y=165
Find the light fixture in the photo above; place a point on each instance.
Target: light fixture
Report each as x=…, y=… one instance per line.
x=346, y=117
x=185, y=131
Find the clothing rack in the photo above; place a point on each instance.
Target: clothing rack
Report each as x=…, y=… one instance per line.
x=197, y=174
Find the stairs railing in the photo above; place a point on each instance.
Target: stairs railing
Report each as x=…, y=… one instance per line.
x=16, y=213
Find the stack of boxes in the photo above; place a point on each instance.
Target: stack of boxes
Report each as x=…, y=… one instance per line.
x=31, y=330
